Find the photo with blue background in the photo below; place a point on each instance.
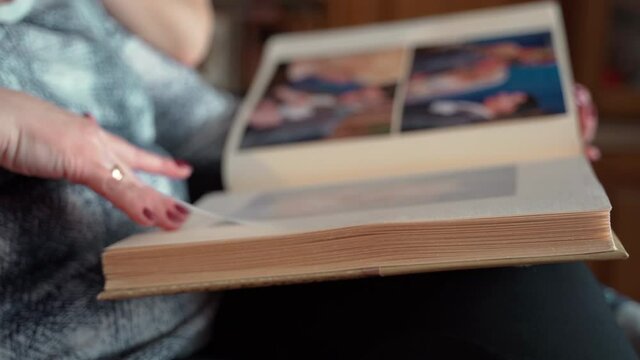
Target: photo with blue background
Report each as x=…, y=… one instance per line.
x=523, y=64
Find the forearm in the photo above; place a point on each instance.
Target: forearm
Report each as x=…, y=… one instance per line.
x=181, y=29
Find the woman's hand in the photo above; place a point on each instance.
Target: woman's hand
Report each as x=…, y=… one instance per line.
x=39, y=139
x=588, y=116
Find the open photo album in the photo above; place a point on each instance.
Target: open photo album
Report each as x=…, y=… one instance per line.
x=431, y=144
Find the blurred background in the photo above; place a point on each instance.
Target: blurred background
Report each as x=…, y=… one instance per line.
x=604, y=42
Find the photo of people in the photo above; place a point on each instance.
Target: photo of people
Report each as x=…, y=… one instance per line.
x=327, y=98
x=482, y=81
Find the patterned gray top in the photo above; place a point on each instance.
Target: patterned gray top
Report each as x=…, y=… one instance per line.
x=52, y=232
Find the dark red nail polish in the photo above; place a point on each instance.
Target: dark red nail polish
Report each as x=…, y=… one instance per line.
x=148, y=214
x=174, y=217
x=181, y=209
x=89, y=117
x=182, y=163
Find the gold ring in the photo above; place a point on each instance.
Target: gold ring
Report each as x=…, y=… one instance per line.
x=116, y=173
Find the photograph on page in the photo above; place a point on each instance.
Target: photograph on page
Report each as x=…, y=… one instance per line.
x=510, y=78
x=315, y=99
x=487, y=80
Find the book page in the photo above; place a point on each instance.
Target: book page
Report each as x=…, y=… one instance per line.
x=390, y=193
x=564, y=186
x=532, y=188
x=490, y=87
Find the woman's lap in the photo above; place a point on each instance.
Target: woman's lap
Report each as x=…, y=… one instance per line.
x=539, y=312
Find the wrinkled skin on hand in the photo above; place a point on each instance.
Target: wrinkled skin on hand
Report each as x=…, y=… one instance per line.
x=41, y=140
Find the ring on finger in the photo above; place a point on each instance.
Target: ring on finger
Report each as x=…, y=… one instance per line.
x=117, y=173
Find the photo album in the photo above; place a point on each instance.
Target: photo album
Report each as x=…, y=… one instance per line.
x=440, y=143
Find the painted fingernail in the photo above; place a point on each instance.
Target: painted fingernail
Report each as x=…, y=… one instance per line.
x=181, y=209
x=148, y=214
x=182, y=163
x=174, y=217
x=89, y=117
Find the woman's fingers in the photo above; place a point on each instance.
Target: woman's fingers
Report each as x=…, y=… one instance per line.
x=107, y=168
x=586, y=112
x=171, y=215
x=139, y=201
x=80, y=151
x=588, y=118
x=593, y=153
x=146, y=206
x=140, y=159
